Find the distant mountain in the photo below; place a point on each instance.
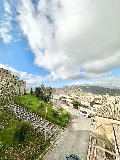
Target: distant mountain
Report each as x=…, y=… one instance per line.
x=95, y=89
x=113, y=83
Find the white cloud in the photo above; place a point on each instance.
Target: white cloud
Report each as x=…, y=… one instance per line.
x=5, y=22
x=103, y=65
x=66, y=37
x=5, y=35
x=21, y=74
x=31, y=80
x=7, y=7
x=36, y=80
x=111, y=82
x=81, y=83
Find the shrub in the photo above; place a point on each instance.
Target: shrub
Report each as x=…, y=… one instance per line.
x=44, y=93
x=76, y=104
x=56, y=113
x=22, y=131
x=31, y=91
x=41, y=106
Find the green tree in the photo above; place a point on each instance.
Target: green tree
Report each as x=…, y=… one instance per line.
x=76, y=104
x=22, y=131
x=44, y=93
x=31, y=91
x=56, y=113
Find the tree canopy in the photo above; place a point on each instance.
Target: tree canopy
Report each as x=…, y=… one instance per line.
x=44, y=93
x=76, y=104
x=22, y=131
x=31, y=91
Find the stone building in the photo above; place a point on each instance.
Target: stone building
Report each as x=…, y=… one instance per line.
x=20, y=85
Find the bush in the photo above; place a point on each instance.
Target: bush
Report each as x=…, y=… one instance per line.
x=44, y=93
x=56, y=113
x=22, y=131
x=76, y=104
x=41, y=106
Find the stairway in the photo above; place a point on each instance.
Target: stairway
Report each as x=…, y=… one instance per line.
x=38, y=123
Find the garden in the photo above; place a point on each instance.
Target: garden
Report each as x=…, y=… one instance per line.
x=35, y=104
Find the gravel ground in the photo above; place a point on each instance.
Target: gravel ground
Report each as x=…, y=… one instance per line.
x=74, y=140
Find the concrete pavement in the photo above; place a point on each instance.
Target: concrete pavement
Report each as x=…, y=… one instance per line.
x=74, y=140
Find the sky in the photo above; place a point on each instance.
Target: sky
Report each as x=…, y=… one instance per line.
x=61, y=42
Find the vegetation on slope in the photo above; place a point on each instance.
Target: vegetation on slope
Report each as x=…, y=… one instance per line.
x=17, y=139
x=58, y=116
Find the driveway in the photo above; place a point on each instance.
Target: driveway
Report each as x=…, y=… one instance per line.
x=74, y=140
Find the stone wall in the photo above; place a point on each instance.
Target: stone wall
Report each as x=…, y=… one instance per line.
x=20, y=85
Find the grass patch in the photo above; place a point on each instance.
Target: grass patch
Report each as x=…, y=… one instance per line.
x=8, y=124
x=10, y=148
x=38, y=106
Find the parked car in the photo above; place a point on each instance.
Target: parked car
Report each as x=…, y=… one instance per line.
x=85, y=113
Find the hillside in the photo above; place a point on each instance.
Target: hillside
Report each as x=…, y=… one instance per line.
x=100, y=90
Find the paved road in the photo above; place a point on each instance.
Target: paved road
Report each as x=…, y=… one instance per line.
x=74, y=140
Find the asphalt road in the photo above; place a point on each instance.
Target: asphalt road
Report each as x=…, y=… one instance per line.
x=74, y=140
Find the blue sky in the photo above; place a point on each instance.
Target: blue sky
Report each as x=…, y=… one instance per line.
x=59, y=43
x=18, y=55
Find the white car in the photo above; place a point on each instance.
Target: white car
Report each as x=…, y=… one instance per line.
x=85, y=113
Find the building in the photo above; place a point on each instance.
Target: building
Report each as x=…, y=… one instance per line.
x=20, y=85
